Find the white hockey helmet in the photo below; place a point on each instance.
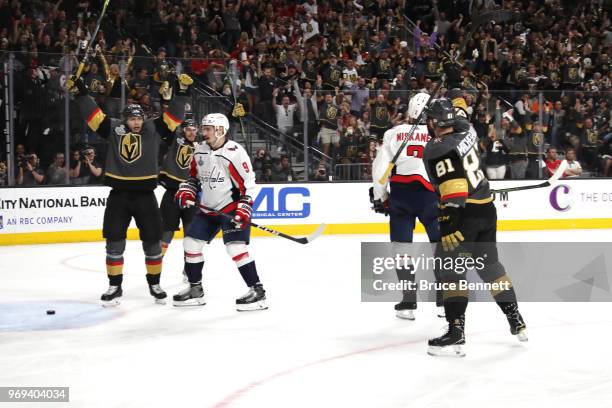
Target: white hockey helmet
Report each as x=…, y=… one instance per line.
x=216, y=120
x=416, y=105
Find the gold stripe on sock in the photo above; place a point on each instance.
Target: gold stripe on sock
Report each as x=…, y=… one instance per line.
x=503, y=283
x=454, y=293
x=154, y=267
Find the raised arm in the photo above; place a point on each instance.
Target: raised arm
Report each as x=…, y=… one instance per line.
x=94, y=117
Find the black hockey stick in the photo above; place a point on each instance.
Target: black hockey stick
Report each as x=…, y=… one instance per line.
x=235, y=112
x=93, y=38
x=450, y=57
x=301, y=240
x=552, y=180
x=496, y=16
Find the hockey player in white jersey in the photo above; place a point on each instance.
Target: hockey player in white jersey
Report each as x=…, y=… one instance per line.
x=223, y=178
x=407, y=194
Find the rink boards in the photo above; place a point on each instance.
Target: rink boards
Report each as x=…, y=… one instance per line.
x=74, y=214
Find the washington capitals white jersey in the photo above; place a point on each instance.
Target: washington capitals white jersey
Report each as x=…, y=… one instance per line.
x=224, y=174
x=409, y=167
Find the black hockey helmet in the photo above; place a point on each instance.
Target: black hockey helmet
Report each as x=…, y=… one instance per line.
x=189, y=123
x=163, y=66
x=133, y=111
x=441, y=112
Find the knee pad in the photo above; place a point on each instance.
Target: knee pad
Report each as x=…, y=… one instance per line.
x=491, y=272
x=238, y=251
x=152, y=249
x=193, y=250
x=115, y=249
x=167, y=237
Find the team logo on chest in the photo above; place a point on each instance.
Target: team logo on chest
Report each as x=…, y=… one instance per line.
x=183, y=156
x=331, y=112
x=130, y=147
x=537, y=139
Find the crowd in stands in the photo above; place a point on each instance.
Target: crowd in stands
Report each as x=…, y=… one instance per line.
x=347, y=67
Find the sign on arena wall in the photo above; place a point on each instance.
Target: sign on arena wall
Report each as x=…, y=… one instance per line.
x=31, y=210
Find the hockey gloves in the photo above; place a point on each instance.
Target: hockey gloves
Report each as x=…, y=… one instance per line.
x=451, y=237
x=244, y=209
x=187, y=192
x=184, y=82
x=180, y=85
x=379, y=206
x=238, y=111
x=453, y=73
x=76, y=86
x=165, y=91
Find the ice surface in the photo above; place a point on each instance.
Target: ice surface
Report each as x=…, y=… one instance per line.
x=317, y=345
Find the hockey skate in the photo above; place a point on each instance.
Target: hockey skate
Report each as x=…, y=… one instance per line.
x=254, y=299
x=405, y=310
x=517, y=325
x=112, y=297
x=193, y=295
x=158, y=294
x=451, y=343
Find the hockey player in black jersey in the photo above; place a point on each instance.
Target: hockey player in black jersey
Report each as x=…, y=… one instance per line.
x=174, y=171
x=467, y=222
x=131, y=170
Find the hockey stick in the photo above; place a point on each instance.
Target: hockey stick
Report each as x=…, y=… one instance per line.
x=233, y=85
x=93, y=38
x=497, y=16
x=552, y=180
x=449, y=56
x=301, y=240
x=417, y=122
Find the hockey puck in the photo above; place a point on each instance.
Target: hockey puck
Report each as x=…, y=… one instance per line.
x=50, y=312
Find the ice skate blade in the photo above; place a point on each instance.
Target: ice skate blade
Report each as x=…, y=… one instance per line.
x=111, y=303
x=252, y=307
x=407, y=314
x=448, y=351
x=159, y=301
x=522, y=336
x=191, y=302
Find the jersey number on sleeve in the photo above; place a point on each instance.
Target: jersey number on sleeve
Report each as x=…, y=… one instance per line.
x=471, y=164
x=245, y=166
x=415, y=151
x=443, y=167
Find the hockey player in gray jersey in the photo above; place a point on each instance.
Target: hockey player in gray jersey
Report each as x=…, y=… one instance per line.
x=174, y=171
x=131, y=171
x=467, y=222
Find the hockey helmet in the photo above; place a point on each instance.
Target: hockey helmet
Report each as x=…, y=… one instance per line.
x=442, y=113
x=216, y=120
x=416, y=105
x=189, y=123
x=133, y=111
x=163, y=66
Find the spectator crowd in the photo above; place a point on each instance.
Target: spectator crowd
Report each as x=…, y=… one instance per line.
x=536, y=86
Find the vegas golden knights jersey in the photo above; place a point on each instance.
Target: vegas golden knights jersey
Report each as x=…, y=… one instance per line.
x=453, y=165
x=131, y=158
x=175, y=167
